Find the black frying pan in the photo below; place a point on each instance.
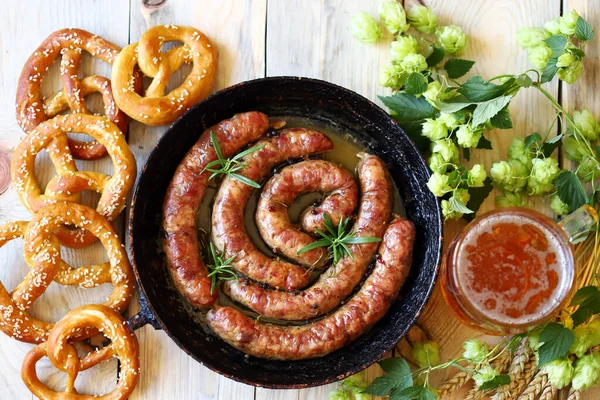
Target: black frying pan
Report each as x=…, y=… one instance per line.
x=323, y=103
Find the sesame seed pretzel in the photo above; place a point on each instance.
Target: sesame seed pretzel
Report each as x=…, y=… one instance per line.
x=86, y=276
x=33, y=110
x=42, y=247
x=156, y=108
x=63, y=355
x=69, y=182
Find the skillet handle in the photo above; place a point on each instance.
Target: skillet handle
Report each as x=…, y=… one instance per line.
x=144, y=316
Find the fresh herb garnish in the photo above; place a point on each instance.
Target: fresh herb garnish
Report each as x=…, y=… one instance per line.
x=337, y=239
x=230, y=166
x=220, y=269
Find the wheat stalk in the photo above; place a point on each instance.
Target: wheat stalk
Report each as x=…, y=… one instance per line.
x=454, y=383
x=549, y=393
x=574, y=394
x=500, y=364
x=524, y=379
x=517, y=366
x=535, y=387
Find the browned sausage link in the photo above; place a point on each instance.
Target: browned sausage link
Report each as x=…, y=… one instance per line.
x=350, y=321
x=184, y=196
x=228, y=231
x=336, y=283
x=280, y=192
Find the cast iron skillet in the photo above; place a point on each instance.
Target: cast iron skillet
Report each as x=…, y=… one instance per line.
x=324, y=103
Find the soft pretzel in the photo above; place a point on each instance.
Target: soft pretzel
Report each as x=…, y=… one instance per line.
x=156, y=108
x=63, y=355
x=69, y=182
x=42, y=248
x=86, y=277
x=33, y=110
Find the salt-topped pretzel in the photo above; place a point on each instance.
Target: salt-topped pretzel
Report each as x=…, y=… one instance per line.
x=32, y=109
x=63, y=355
x=156, y=108
x=69, y=182
x=86, y=276
x=42, y=247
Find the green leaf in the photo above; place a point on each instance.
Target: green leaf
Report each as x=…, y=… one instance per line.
x=484, y=143
x=396, y=366
x=556, y=341
x=361, y=240
x=477, y=90
x=577, y=52
x=478, y=195
x=502, y=120
x=314, y=245
x=588, y=300
x=408, y=393
x=570, y=190
x=489, y=109
x=410, y=113
x=381, y=386
x=458, y=206
x=415, y=84
x=248, y=151
x=583, y=30
x=495, y=382
x=245, y=180
x=215, y=144
x=426, y=394
x=456, y=67
x=436, y=56
x=532, y=139
x=550, y=70
x=452, y=107
x=551, y=145
x=524, y=81
x=557, y=44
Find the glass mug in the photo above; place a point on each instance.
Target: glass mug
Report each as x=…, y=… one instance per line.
x=512, y=268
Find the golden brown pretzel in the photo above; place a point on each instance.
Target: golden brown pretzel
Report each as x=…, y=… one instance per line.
x=69, y=182
x=43, y=249
x=33, y=110
x=156, y=108
x=86, y=277
x=63, y=355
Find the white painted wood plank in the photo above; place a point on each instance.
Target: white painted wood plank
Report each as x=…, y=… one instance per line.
x=25, y=24
x=237, y=28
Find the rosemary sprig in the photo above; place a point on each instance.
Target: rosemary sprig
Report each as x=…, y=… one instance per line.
x=220, y=269
x=337, y=239
x=230, y=166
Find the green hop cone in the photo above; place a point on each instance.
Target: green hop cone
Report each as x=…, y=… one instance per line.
x=435, y=92
x=340, y=394
x=462, y=195
x=448, y=212
x=539, y=56
x=447, y=149
x=568, y=22
x=485, y=374
x=574, y=150
x=571, y=73
x=587, y=371
x=476, y=176
x=449, y=120
x=437, y=163
x=510, y=200
x=533, y=337
x=365, y=28
x=517, y=151
x=363, y=396
x=586, y=336
x=434, y=129
x=426, y=353
x=393, y=17
x=543, y=173
x=559, y=206
x=476, y=351
x=392, y=76
x=565, y=59
x=438, y=184
x=510, y=175
x=553, y=27
x=452, y=39
x=356, y=381
x=467, y=136
x=560, y=372
x=586, y=124
x=422, y=19
x=414, y=63
x=402, y=47
x=588, y=169
x=528, y=38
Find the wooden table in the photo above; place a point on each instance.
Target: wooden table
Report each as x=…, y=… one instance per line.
x=255, y=38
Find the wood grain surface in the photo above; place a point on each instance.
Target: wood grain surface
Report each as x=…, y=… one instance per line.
x=257, y=38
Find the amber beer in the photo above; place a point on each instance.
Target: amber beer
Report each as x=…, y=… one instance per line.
x=508, y=270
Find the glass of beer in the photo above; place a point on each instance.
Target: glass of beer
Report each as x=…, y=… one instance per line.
x=512, y=268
